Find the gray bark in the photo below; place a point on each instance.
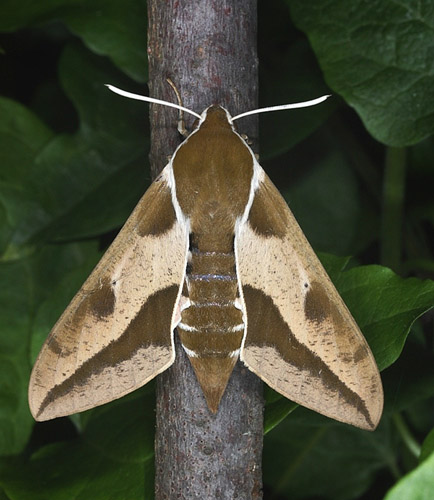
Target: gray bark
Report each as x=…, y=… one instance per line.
x=208, y=49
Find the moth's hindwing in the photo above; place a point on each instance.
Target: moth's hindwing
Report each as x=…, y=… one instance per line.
x=117, y=332
x=300, y=337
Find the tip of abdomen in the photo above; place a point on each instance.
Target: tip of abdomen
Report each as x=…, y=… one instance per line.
x=213, y=375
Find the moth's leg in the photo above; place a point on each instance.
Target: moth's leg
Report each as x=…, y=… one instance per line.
x=249, y=143
x=246, y=139
x=181, y=123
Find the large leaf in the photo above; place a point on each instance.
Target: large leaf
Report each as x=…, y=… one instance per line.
x=385, y=307
x=378, y=56
x=428, y=446
x=66, y=186
x=293, y=77
x=319, y=458
x=102, y=25
x=329, y=211
x=112, y=459
x=417, y=485
x=22, y=137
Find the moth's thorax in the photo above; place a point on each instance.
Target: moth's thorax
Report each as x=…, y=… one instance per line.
x=213, y=172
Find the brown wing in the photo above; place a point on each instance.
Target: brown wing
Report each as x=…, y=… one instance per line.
x=117, y=332
x=300, y=337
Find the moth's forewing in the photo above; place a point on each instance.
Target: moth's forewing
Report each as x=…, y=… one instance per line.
x=300, y=337
x=117, y=332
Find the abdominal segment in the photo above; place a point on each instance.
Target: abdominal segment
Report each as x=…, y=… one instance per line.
x=211, y=327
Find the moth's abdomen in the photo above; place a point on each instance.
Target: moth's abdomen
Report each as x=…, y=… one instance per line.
x=212, y=174
x=211, y=327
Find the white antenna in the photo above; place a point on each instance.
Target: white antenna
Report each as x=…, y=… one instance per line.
x=138, y=97
x=295, y=105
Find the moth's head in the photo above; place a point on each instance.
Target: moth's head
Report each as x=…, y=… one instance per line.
x=215, y=116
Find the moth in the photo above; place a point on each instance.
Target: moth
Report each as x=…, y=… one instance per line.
x=213, y=251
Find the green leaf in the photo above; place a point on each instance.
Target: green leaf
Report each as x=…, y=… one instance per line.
x=384, y=305
x=132, y=420
x=417, y=485
x=277, y=408
x=320, y=458
x=22, y=137
x=328, y=211
x=108, y=27
x=113, y=459
x=294, y=78
x=414, y=372
x=276, y=412
x=427, y=447
x=377, y=56
x=102, y=26
x=68, y=186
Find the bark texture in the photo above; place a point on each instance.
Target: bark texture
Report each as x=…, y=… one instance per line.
x=208, y=49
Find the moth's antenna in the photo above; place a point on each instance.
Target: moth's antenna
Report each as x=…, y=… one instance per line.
x=295, y=105
x=138, y=97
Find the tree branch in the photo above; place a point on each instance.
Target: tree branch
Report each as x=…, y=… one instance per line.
x=208, y=49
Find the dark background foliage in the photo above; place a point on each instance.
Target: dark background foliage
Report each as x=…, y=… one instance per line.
x=358, y=174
